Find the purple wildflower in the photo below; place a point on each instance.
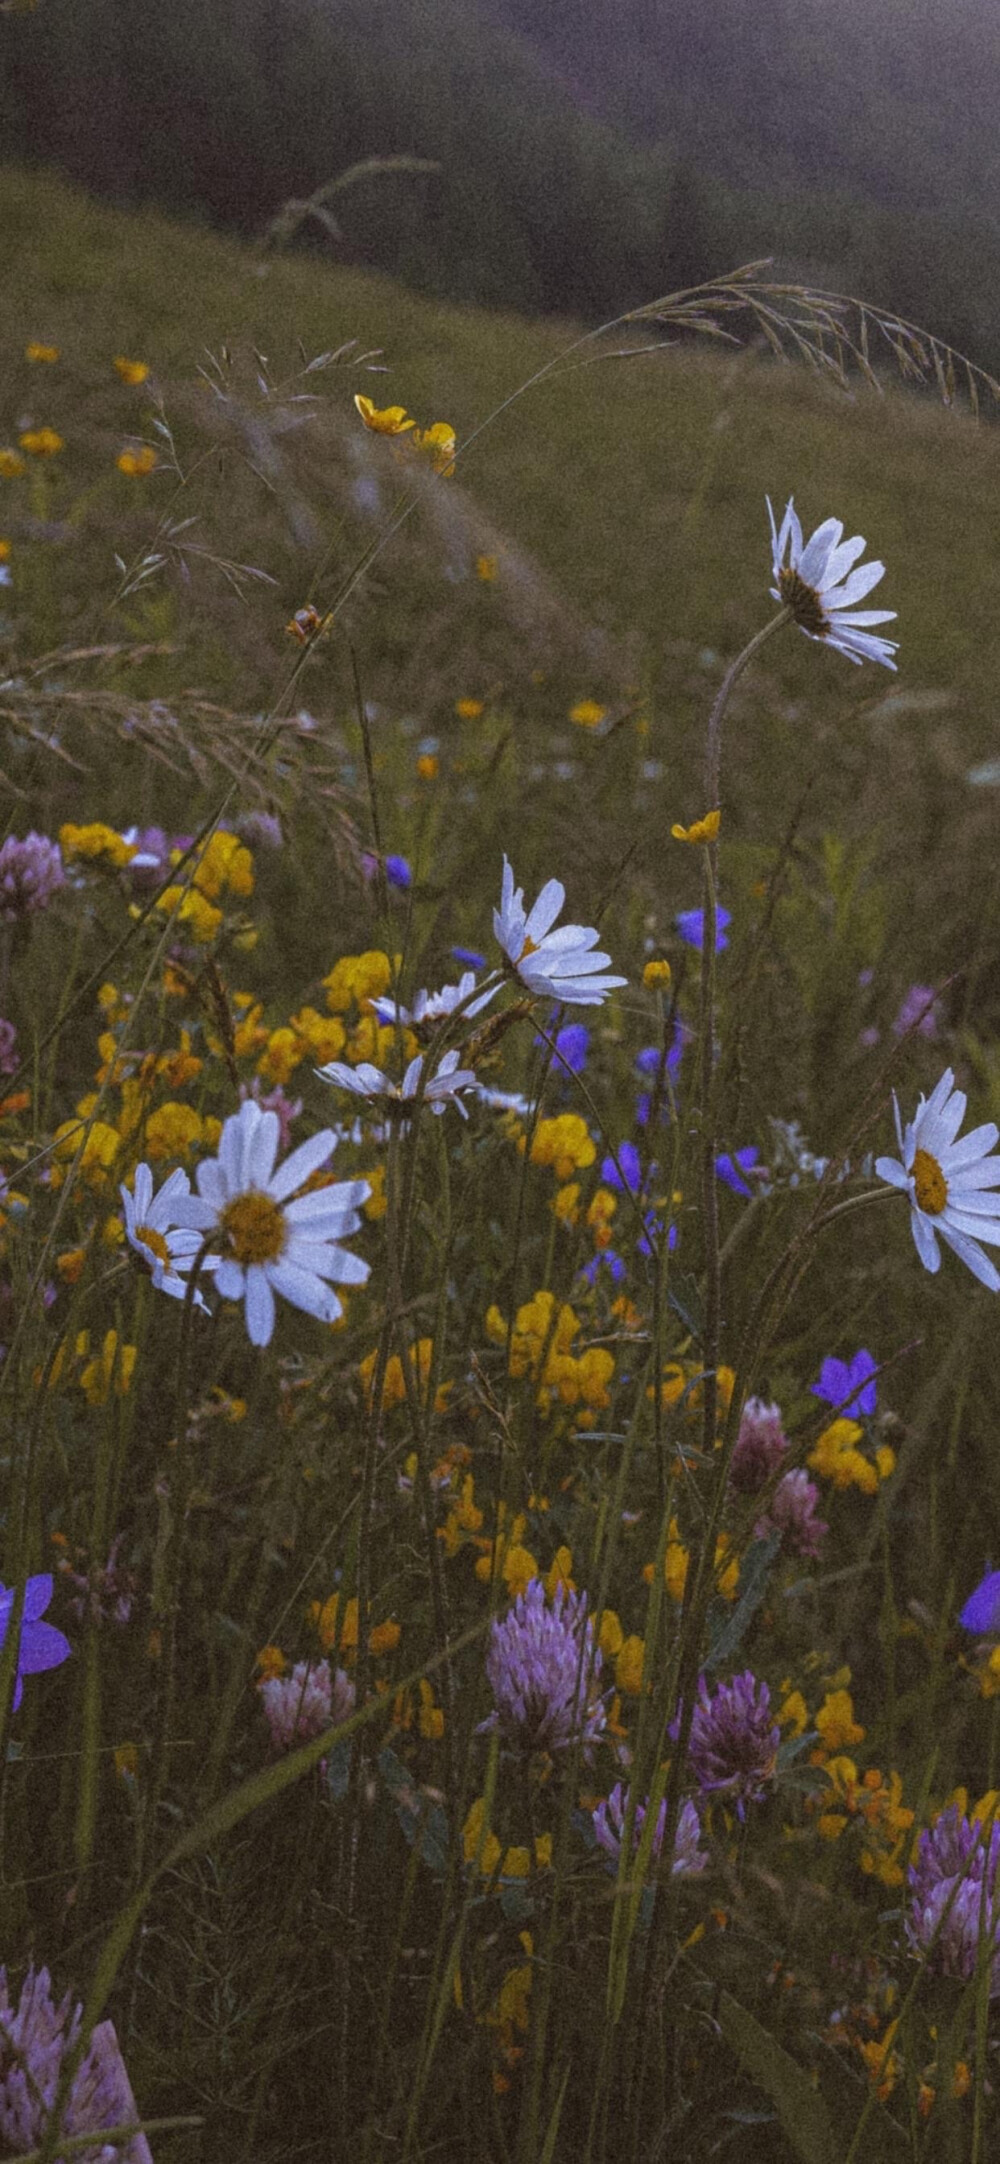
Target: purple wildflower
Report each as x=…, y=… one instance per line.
x=606, y=1259
x=41, y=1646
x=691, y=926
x=609, y=1826
x=730, y=1169
x=760, y=1446
x=287, y=1108
x=919, y=1011
x=734, y=1740
x=792, y=1513
x=8, y=1056
x=300, y=1705
x=573, y=1044
x=468, y=957
x=542, y=1667
x=847, y=1385
x=261, y=829
x=954, y=1896
x=31, y=872
x=630, y=1176
x=982, y=1609
x=33, y=2044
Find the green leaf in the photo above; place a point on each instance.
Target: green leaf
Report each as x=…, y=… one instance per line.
x=754, y=1572
x=800, y=2107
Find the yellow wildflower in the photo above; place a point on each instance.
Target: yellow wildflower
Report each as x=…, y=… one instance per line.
x=377, y=1203
x=132, y=372
x=41, y=442
x=384, y=421
x=174, y=1130
x=673, y=1383
x=4, y=552
x=111, y=1368
x=628, y=1666
x=594, y=1370
x=270, y=1662
x=464, y=1517
x=136, y=464
x=438, y=444
x=610, y=1636
x=384, y=1638
x=10, y=464
x=989, y=1676
x=883, y=2063
x=486, y=569
x=427, y=767
x=200, y=917
x=560, y=1573
x=793, y=1713
x=587, y=714
x=564, y=1143
x=35, y=352
x=600, y=1211
x=284, y=1052
x=564, y=1204
x=95, y=843
x=355, y=978
x=332, y=1634
x=836, y=1457
x=656, y=975
x=703, y=830
x=69, y=1265
x=836, y=1723
x=323, y=1035
x=100, y=1148
x=468, y=709
x=481, y=1847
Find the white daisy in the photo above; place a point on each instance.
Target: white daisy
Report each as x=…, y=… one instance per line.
x=166, y=1230
x=948, y=1182
x=429, y=1007
x=550, y=964
x=270, y=1244
x=396, y=1098
x=820, y=588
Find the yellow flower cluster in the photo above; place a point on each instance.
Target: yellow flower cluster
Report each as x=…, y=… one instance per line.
x=394, y=1382
x=482, y=1848
x=836, y=1457
x=136, y=464
x=436, y=443
x=41, y=442
x=95, y=844
x=541, y=1348
x=564, y=1143
x=357, y=978
x=587, y=714
x=676, y=1558
x=877, y=1805
x=99, y=1374
x=677, y=1383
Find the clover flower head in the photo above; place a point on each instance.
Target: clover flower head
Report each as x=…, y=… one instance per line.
x=31, y=872
x=542, y=1667
x=397, y=1099
x=954, y=1886
x=564, y=963
x=274, y=1239
x=948, y=1182
x=41, y=1645
x=760, y=1446
x=816, y=581
x=34, y=2040
x=792, y=1513
x=690, y=1859
x=734, y=1740
x=300, y=1705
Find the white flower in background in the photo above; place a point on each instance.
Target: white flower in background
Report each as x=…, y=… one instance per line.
x=431, y=1007
x=504, y=1101
x=270, y=1243
x=166, y=1230
x=948, y=1182
x=562, y=964
x=818, y=585
x=397, y=1098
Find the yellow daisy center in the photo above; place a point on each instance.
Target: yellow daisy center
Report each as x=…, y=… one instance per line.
x=929, y=1183
x=154, y=1241
x=253, y=1228
x=529, y=947
x=804, y=603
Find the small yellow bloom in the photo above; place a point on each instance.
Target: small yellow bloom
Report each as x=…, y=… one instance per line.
x=331, y=1633
x=486, y=569
x=4, y=552
x=323, y=1035
x=564, y=1143
x=10, y=464
x=137, y=463
x=656, y=976
x=384, y=1638
x=836, y=1723
x=131, y=371
x=69, y=1265
x=270, y=1662
x=384, y=421
x=836, y=1457
x=438, y=444
x=35, y=352
x=41, y=442
x=95, y=844
x=564, y=1204
x=610, y=1636
x=560, y=1573
x=200, y=918
x=378, y=1202
x=587, y=714
x=173, y=1130
x=97, y=1156
x=793, y=1713
x=468, y=709
x=628, y=1666
x=427, y=767
x=355, y=978
x=110, y=1369
x=703, y=830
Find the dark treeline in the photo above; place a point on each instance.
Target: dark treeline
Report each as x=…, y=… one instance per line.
x=574, y=176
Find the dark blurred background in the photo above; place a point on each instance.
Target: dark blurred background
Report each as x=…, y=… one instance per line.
x=592, y=153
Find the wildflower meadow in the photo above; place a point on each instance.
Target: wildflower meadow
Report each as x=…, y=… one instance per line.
x=500, y=1606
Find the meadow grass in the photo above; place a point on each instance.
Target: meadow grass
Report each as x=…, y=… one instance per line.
x=273, y=1814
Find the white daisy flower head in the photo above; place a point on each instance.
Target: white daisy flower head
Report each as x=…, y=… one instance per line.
x=949, y=1183
x=563, y=964
x=431, y=1007
x=816, y=581
x=395, y=1100
x=273, y=1239
x=166, y=1230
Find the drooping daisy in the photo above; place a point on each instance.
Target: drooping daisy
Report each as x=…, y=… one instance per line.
x=430, y=1007
x=165, y=1230
x=396, y=1099
x=949, y=1183
x=816, y=582
x=270, y=1243
x=563, y=964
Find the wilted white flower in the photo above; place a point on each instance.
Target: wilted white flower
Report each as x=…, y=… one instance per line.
x=431, y=1007
x=563, y=964
x=397, y=1098
x=818, y=585
x=270, y=1244
x=948, y=1182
